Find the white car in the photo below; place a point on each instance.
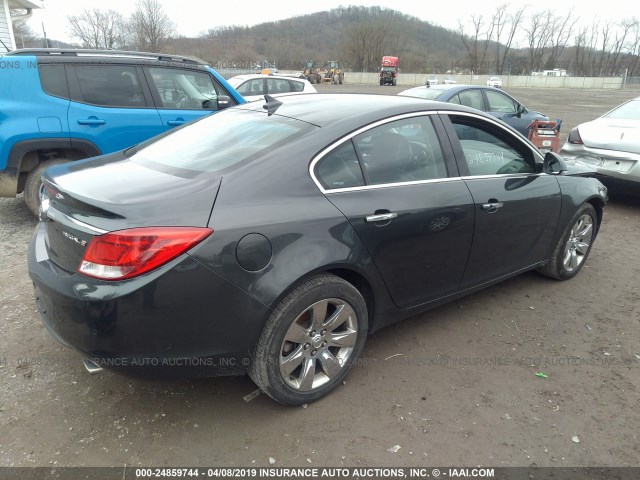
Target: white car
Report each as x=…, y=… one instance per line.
x=431, y=80
x=494, y=82
x=611, y=144
x=255, y=86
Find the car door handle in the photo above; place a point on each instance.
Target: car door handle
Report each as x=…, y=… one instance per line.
x=92, y=121
x=173, y=123
x=380, y=217
x=492, y=207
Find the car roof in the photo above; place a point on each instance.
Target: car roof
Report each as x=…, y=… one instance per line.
x=105, y=54
x=250, y=76
x=359, y=108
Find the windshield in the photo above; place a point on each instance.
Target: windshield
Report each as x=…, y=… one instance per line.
x=629, y=111
x=388, y=69
x=221, y=140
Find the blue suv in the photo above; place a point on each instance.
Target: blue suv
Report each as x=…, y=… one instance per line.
x=62, y=105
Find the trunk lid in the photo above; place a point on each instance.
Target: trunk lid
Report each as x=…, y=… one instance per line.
x=88, y=198
x=611, y=134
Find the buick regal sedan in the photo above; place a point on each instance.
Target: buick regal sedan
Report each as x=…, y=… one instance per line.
x=271, y=238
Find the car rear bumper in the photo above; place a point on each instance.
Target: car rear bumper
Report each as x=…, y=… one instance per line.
x=180, y=320
x=608, y=163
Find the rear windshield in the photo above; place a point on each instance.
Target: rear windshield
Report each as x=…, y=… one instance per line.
x=221, y=140
x=629, y=111
x=423, y=92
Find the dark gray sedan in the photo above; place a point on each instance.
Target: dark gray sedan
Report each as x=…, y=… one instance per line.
x=271, y=238
x=487, y=99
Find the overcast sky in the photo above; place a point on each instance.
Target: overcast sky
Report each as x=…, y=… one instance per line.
x=195, y=16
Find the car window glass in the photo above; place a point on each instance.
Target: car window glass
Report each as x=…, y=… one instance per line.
x=340, y=168
x=499, y=102
x=277, y=85
x=472, y=98
x=490, y=152
x=455, y=99
x=220, y=141
x=251, y=87
x=296, y=86
x=108, y=85
x=402, y=151
x=184, y=89
x=54, y=80
x=629, y=110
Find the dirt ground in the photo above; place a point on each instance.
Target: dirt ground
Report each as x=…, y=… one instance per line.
x=454, y=387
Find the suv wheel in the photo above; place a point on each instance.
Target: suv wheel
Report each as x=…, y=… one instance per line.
x=34, y=183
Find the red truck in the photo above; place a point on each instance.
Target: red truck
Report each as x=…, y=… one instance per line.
x=389, y=70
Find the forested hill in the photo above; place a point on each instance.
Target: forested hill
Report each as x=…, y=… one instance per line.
x=357, y=36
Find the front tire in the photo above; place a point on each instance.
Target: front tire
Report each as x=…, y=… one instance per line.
x=310, y=341
x=34, y=183
x=573, y=249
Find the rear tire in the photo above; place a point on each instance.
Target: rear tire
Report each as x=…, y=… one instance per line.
x=311, y=340
x=573, y=249
x=34, y=183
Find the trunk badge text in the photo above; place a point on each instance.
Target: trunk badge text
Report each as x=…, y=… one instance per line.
x=75, y=239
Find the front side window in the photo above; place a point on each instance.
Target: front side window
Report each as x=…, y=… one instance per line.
x=488, y=151
x=252, y=87
x=499, y=102
x=108, y=85
x=183, y=89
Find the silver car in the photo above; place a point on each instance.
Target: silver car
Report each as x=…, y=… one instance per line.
x=611, y=144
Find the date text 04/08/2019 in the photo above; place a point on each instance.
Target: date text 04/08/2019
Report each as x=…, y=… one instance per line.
x=311, y=472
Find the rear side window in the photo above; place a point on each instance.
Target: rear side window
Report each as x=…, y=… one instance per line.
x=108, y=85
x=296, y=86
x=54, y=80
x=278, y=85
x=340, y=168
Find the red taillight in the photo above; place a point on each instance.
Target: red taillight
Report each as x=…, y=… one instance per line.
x=574, y=137
x=129, y=253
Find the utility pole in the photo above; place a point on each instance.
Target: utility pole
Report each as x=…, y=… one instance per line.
x=46, y=42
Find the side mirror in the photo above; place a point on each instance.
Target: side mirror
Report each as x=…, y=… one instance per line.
x=520, y=110
x=223, y=102
x=554, y=164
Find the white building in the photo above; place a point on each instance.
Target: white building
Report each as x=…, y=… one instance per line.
x=7, y=41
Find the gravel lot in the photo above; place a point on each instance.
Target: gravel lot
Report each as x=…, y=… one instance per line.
x=453, y=387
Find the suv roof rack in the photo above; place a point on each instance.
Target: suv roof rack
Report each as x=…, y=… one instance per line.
x=114, y=53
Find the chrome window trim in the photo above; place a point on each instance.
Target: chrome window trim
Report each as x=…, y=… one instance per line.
x=403, y=116
x=57, y=216
x=389, y=185
x=348, y=137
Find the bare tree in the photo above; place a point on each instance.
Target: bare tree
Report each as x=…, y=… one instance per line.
x=560, y=32
x=538, y=36
x=22, y=32
x=100, y=29
x=472, y=43
x=515, y=20
x=150, y=26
